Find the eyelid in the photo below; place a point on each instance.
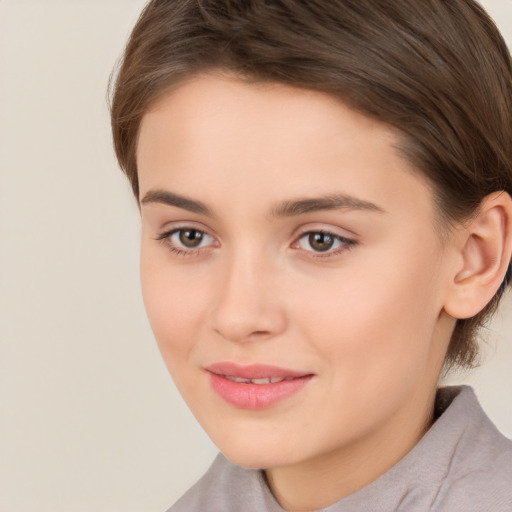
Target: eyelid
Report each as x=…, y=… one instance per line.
x=164, y=237
x=172, y=227
x=347, y=242
x=320, y=227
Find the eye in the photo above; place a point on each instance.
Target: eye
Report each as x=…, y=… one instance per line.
x=186, y=240
x=190, y=238
x=323, y=242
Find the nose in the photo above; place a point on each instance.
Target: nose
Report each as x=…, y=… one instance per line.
x=249, y=305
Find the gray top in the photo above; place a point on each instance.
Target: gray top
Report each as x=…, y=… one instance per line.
x=462, y=464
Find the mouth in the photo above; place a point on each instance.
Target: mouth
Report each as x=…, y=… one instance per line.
x=255, y=386
x=264, y=380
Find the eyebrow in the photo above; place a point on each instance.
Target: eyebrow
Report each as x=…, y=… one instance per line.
x=289, y=208
x=328, y=202
x=172, y=199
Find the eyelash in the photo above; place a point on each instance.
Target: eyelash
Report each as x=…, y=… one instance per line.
x=165, y=239
x=346, y=243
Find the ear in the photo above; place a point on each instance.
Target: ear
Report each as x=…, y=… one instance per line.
x=485, y=247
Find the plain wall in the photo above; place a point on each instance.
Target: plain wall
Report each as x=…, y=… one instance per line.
x=89, y=418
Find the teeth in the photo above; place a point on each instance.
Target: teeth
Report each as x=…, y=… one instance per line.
x=261, y=381
x=238, y=379
x=266, y=380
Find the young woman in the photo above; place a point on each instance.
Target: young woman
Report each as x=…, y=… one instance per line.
x=326, y=221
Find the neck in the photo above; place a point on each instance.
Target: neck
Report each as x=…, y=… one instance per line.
x=327, y=478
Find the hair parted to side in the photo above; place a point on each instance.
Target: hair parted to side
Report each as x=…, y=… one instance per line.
x=438, y=71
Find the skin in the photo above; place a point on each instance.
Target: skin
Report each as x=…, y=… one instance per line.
x=367, y=318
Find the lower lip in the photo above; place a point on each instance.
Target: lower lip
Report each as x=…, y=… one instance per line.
x=256, y=396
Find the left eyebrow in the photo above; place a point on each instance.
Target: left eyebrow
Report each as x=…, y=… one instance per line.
x=328, y=202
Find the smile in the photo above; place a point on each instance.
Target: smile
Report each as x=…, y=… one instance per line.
x=265, y=380
x=256, y=386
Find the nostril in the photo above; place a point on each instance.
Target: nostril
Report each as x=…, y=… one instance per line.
x=243, y=334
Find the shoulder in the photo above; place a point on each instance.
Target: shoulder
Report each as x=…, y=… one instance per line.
x=484, y=488
x=219, y=490
x=478, y=475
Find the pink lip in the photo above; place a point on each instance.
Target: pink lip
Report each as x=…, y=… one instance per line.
x=255, y=396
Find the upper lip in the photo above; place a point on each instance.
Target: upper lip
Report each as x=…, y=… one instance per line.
x=253, y=371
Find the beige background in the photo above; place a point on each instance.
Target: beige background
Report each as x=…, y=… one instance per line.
x=89, y=419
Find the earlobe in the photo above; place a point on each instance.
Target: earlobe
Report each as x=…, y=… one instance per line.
x=485, y=252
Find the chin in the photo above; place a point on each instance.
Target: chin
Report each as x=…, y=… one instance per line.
x=255, y=459
x=257, y=451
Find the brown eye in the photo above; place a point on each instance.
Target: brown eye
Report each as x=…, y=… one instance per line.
x=190, y=238
x=320, y=242
x=323, y=242
x=187, y=241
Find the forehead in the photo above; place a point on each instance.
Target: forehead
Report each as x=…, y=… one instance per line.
x=216, y=136
x=220, y=103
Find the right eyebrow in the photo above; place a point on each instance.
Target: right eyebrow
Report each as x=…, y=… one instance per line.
x=172, y=199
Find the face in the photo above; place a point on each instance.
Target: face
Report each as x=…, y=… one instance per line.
x=291, y=269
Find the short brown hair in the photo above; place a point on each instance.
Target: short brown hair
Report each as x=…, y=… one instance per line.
x=438, y=71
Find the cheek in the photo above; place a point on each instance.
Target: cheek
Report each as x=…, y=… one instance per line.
x=174, y=304
x=371, y=322
x=369, y=334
